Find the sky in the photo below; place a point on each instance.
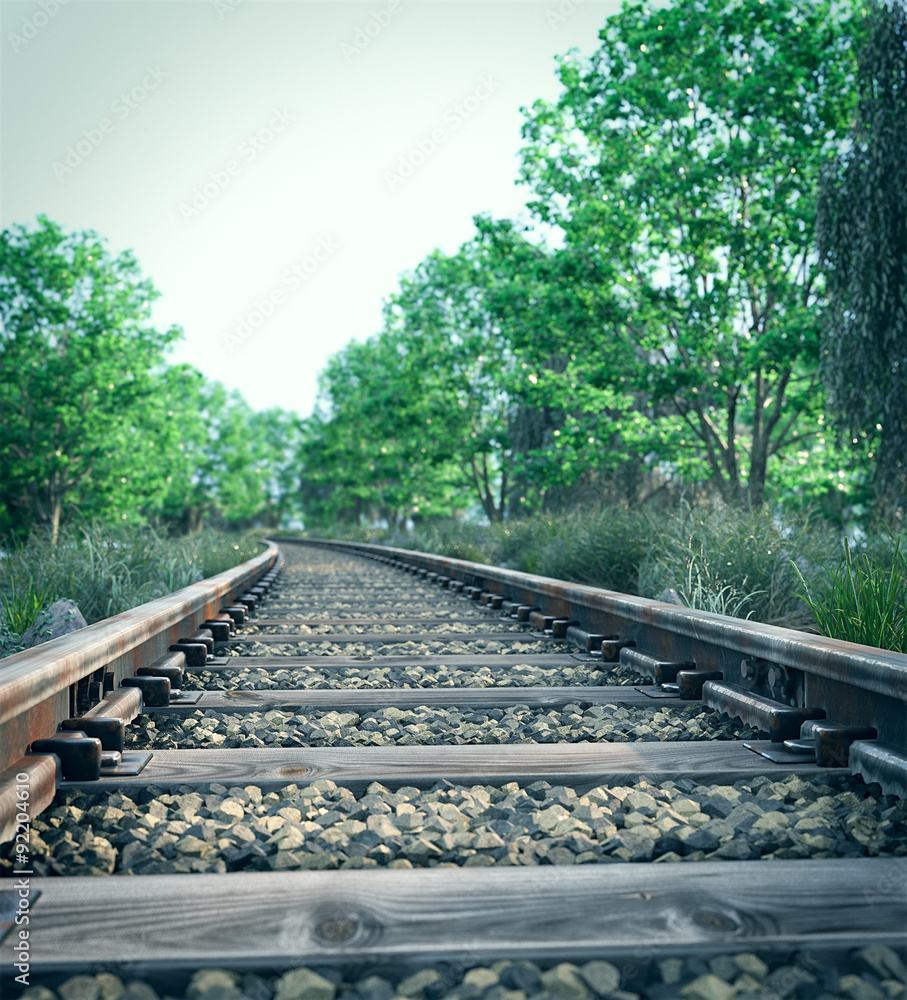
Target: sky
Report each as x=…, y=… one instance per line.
x=274, y=166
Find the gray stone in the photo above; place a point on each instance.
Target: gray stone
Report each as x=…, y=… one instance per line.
x=565, y=981
x=304, y=984
x=137, y=990
x=603, y=977
x=708, y=987
x=80, y=988
x=38, y=993
x=414, y=985
x=881, y=961
x=111, y=986
x=59, y=618
x=212, y=979
x=375, y=988
x=670, y=596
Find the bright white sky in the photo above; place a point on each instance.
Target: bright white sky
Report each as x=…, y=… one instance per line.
x=207, y=77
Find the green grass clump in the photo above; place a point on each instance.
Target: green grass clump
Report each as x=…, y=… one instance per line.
x=862, y=598
x=603, y=548
x=736, y=561
x=106, y=570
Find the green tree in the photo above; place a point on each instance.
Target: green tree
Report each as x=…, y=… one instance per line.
x=237, y=465
x=682, y=162
x=375, y=447
x=862, y=227
x=83, y=389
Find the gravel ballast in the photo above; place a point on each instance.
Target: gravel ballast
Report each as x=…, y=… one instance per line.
x=872, y=973
x=434, y=726
x=433, y=647
x=211, y=828
x=413, y=675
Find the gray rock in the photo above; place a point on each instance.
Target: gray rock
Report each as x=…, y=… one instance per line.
x=881, y=961
x=59, y=618
x=603, y=977
x=206, y=980
x=80, y=988
x=670, y=596
x=304, y=984
x=565, y=981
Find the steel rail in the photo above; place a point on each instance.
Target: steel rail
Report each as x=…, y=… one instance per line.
x=857, y=685
x=37, y=685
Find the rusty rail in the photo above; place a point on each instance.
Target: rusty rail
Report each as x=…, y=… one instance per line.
x=38, y=686
x=857, y=685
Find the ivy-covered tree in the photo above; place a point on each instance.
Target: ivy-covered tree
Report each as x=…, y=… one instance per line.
x=862, y=229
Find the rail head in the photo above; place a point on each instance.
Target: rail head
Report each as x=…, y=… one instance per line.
x=35, y=684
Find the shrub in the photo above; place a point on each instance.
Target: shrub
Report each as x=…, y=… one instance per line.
x=862, y=598
x=738, y=556
x=108, y=570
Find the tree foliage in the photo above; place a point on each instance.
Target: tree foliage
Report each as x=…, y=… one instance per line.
x=682, y=161
x=96, y=423
x=862, y=229
x=657, y=319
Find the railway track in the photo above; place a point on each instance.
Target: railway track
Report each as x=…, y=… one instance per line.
x=376, y=773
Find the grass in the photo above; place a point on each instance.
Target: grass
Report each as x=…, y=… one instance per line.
x=106, y=570
x=862, y=598
x=733, y=561
x=719, y=558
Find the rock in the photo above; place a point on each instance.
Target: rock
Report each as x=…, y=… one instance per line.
x=670, y=596
x=481, y=977
x=881, y=961
x=375, y=988
x=415, y=985
x=521, y=976
x=304, y=984
x=210, y=979
x=564, y=981
x=38, y=993
x=603, y=977
x=751, y=964
x=771, y=822
x=725, y=968
x=860, y=989
x=59, y=618
x=229, y=811
x=111, y=986
x=701, y=840
x=708, y=987
x=671, y=970
x=79, y=987
x=137, y=990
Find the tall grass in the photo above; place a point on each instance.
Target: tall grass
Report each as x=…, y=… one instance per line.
x=742, y=557
x=107, y=570
x=729, y=560
x=862, y=598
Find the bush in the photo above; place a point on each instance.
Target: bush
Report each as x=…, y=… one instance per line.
x=737, y=561
x=108, y=570
x=603, y=548
x=862, y=599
